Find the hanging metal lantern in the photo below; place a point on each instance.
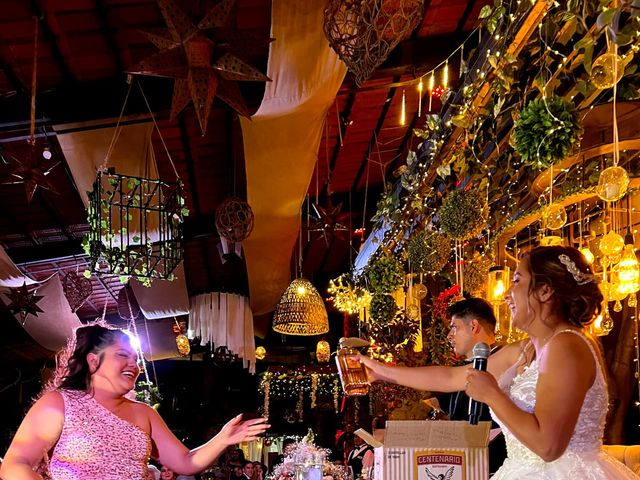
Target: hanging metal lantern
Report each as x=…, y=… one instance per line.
x=301, y=310
x=261, y=353
x=323, y=351
x=497, y=283
x=135, y=226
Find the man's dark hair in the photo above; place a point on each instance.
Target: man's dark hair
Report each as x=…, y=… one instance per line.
x=473, y=308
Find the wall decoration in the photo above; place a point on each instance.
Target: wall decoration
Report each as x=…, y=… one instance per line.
x=200, y=60
x=234, y=219
x=24, y=302
x=385, y=274
x=77, y=288
x=463, y=214
x=383, y=308
x=428, y=252
x=547, y=131
x=363, y=33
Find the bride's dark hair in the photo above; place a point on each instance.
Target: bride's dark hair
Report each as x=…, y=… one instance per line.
x=578, y=300
x=72, y=370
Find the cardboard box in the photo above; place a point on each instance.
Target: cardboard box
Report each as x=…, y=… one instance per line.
x=433, y=450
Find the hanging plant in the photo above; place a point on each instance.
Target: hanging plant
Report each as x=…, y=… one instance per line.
x=463, y=214
x=386, y=275
x=547, y=131
x=428, y=252
x=383, y=308
x=475, y=274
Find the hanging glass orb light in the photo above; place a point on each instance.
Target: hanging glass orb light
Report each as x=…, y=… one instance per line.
x=587, y=254
x=611, y=244
x=627, y=271
x=554, y=217
x=607, y=70
x=612, y=184
x=420, y=291
x=497, y=284
x=261, y=353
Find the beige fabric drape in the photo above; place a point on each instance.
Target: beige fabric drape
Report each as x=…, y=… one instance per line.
x=52, y=327
x=10, y=275
x=163, y=298
x=85, y=148
x=281, y=142
x=224, y=319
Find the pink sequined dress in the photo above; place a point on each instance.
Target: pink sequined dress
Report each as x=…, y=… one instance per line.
x=96, y=444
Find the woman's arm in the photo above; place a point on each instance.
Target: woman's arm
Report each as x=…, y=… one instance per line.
x=172, y=453
x=438, y=378
x=566, y=372
x=38, y=432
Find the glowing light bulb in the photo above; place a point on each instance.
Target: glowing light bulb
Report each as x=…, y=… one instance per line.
x=301, y=290
x=587, y=254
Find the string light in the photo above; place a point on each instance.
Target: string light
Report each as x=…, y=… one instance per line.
x=432, y=83
x=420, y=88
x=445, y=75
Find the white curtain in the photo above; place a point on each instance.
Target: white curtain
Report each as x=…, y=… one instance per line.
x=225, y=319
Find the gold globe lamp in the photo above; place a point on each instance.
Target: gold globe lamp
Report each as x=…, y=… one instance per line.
x=612, y=184
x=301, y=311
x=607, y=70
x=611, y=244
x=261, y=353
x=554, y=217
x=323, y=351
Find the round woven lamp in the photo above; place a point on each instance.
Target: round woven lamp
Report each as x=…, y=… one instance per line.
x=301, y=310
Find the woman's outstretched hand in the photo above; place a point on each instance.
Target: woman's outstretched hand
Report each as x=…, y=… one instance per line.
x=374, y=369
x=236, y=430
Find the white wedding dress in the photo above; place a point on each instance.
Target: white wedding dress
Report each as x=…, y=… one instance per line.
x=583, y=459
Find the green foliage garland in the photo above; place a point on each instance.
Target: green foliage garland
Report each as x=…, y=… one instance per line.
x=386, y=275
x=428, y=252
x=383, y=308
x=547, y=131
x=462, y=214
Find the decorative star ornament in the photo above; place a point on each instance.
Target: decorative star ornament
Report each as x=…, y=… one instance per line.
x=200, y=61
x=30, y=173
x=24, y=302
x=330, y=222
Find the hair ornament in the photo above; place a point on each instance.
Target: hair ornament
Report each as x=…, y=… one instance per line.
x=580, y=277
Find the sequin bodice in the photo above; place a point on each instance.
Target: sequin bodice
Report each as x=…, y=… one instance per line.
x=587, y=436
x=95, y=444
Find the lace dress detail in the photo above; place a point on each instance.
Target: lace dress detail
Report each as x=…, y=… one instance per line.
x=583, y=459
x=96, y=444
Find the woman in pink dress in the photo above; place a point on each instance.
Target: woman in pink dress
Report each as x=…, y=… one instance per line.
x=90, y=430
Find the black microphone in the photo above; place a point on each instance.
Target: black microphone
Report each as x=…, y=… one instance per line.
x=481, y=352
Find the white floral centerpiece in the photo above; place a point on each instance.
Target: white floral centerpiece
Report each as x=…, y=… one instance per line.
x=303, y=460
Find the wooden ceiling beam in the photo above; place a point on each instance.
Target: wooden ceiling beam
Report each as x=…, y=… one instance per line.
x=49, y=38
x=107, y=32
x=374, y=136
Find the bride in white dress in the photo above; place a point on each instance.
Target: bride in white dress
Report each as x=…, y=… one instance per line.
x=549, y=392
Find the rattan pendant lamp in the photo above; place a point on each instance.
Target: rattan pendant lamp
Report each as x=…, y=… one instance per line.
x=301, y=310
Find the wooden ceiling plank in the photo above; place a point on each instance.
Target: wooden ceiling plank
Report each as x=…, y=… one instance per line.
x=48, y=37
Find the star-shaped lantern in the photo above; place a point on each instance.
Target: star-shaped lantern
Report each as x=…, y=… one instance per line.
x=202, y=65
x=330, y=222
x=24, y=302
x=30, y=172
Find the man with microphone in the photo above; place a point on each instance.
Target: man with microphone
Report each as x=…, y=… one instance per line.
x=473, y=323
